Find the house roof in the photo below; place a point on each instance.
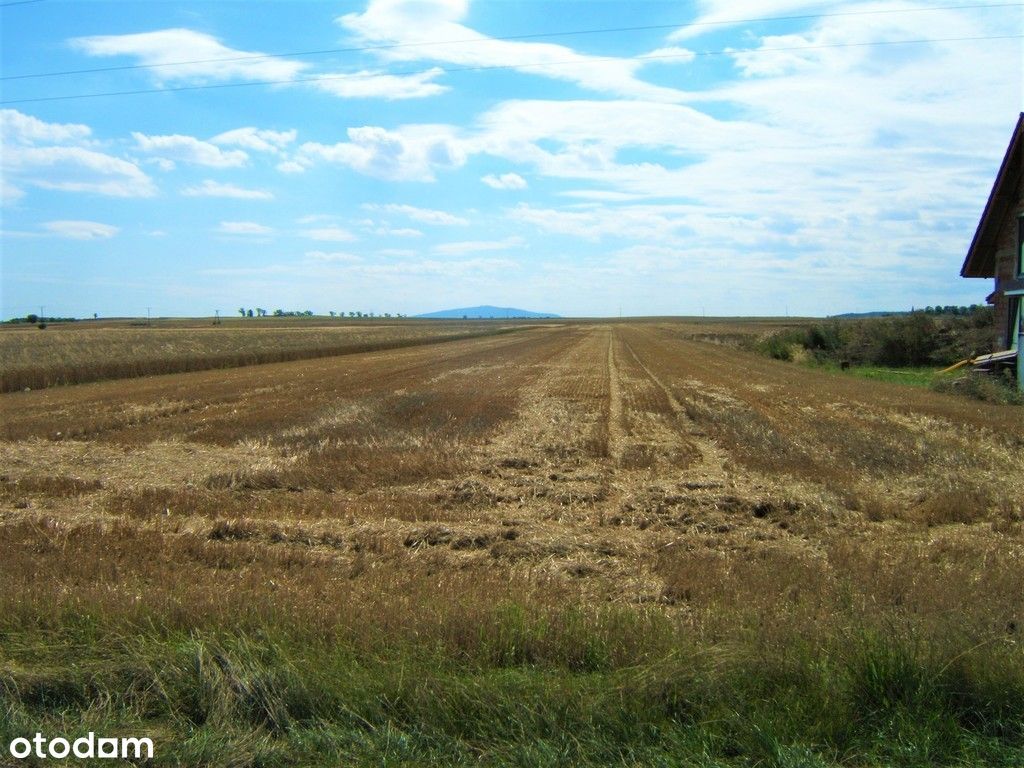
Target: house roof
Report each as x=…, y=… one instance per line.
x=981, y=256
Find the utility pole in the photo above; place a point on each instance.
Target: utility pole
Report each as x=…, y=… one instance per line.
x=216, y=317
x=42, y=313
x=149, y=321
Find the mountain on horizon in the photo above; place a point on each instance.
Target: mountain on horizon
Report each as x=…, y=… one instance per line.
x=484, y=311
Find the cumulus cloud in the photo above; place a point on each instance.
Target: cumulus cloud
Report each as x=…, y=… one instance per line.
x=16, y=127
x=412, y=153
x=81, y=230
x=76, y=169
x=210, y=188
x=243, y=228
x=504, y=181
x=256, y=139
x=52, y=156
x=188, y=149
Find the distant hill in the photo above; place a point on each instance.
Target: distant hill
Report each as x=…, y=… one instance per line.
x=854, y=315
x=484, y=311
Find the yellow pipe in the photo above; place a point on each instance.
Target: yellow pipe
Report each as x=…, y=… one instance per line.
x=961, y=364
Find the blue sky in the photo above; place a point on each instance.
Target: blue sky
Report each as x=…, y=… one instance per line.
x=721, y=159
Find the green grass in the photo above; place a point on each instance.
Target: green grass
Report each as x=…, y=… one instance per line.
x=639, y=693
x=915, y=377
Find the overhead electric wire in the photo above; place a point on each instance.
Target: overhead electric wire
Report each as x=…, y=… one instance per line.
x=501, y=38
x=483, y=68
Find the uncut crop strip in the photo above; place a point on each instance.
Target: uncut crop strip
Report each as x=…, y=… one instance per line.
x=72, y=356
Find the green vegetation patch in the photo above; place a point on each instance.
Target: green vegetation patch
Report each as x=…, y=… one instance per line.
x=266, y=697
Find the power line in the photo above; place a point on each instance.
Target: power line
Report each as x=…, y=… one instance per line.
x=530, y=36
x=19, y=2
x=484, y=68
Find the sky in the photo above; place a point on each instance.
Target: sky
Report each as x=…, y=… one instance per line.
x=725, y=157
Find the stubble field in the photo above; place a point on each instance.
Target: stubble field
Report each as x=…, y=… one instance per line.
x=590, y=543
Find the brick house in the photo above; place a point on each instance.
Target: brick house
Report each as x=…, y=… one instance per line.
x=998, y=246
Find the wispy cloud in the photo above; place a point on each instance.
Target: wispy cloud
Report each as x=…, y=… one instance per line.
x=243, y=228
x=329, y=234
x=422, y=215
x=477, y=246
x=425, y=30
x=212, y=61
x=210, y=188
x=81, y=230
x=504, y=181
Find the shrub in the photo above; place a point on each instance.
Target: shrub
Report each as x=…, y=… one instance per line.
x=989, y=388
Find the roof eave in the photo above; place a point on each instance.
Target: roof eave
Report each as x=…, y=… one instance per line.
x=980, y=259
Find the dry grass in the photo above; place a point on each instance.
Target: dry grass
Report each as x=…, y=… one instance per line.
x=77, y=353
x=401, y=496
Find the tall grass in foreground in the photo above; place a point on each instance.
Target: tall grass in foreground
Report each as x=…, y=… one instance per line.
x=527, y=686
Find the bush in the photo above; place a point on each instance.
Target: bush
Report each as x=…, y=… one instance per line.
x=990, y=388
x=913, y=340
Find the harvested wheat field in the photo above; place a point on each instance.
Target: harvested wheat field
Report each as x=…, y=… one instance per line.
x=576, y=543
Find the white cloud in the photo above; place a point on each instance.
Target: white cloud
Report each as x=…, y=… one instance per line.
x=24, y=129
x=290, y=166
x=366, y=85
x=716, y=14
x=671, y=54
x=212, y=60
x=243, y=228
x=411, y=153
x=476, y=246
x=333, y=256
x=504, y=181
x=10, y=194
x=422, y=215
x=399, y=232
x=256, y=139
x=76, y=169
x=329, y=234
x=81, y=230
x=210, y=188
x=425, y=30
x=189, y=149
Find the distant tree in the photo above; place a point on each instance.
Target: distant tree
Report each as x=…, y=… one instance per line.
x=32, y=318
x=278, y=313
x=359, y=314
x=241, y=311
x=95, y=316
x=248, y=313
x=332, y=313
x=260, y=312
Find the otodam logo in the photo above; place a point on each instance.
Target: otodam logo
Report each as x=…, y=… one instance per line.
x=86, y=747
